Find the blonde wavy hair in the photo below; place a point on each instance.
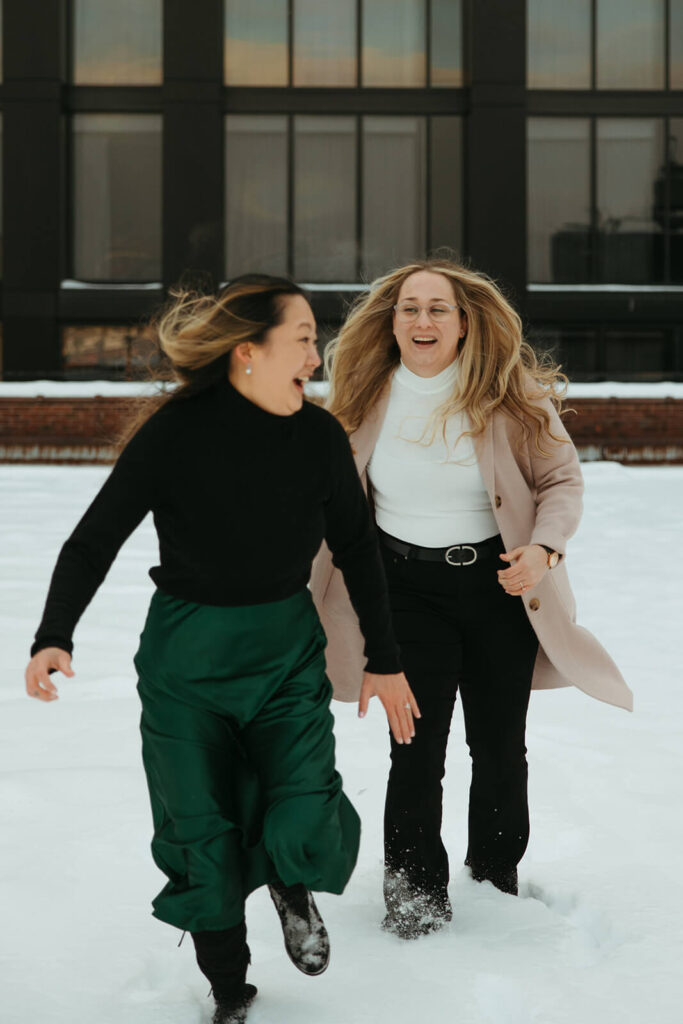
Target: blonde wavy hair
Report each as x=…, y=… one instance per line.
x=197, y=334
x=498, y=369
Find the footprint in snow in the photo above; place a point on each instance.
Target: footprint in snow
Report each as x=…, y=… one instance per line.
x=592, y=924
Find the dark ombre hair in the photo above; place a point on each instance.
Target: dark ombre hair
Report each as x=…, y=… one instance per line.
x=197, y=334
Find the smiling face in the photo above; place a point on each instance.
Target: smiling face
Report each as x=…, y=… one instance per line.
x=429, y=343
x=282, y=364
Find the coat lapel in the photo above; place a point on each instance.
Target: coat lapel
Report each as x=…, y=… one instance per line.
x=364, y=439
x=483, y=446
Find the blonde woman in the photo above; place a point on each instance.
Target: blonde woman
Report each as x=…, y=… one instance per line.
x=244, y=480
x=476, y=489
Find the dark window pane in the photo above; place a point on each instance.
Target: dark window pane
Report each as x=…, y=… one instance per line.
x=2, y=251
x=256, y=194
x=117, y=197
x=325, y=199
x=446, y=184
x=675, y=198
x=676, y=45
x=394, y=34
x=446, y=43
x=630, y=155
x=559, y=44
x=636, y=355
x=117, y=42
x=325, y=43
x=558, y=204
x=575, y=349
x=256, y=42
x=630, y=44
x=393, y=192
x=127, y=351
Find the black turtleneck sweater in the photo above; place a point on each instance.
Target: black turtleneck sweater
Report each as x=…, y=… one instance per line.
x=242, y=500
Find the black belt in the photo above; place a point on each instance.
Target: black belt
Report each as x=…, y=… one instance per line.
x=455, y=554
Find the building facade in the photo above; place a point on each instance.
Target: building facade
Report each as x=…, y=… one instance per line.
x=151, y=142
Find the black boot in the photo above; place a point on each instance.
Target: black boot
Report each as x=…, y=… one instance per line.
x=223, y=957
x=306, y=939
x=411, y=911
x=504, y=878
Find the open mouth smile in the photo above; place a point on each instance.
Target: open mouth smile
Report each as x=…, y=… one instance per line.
x=300, y=382
x=424, y=340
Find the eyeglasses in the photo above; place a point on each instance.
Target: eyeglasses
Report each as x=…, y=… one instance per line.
x=408, y=312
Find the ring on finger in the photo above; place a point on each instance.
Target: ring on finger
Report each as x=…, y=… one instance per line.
x=407, y=707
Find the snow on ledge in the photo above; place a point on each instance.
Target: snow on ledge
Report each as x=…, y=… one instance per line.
x=125, y=389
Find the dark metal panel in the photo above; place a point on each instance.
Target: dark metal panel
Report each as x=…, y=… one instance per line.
x=108, y=305
x=344, y=101
x=599, y=306
x=605, y=103
x=193, y=142
x=193, y=192
x=115, y=99
x=33, y=183
x=495, y=149
x=34, y=39
x=193, y=41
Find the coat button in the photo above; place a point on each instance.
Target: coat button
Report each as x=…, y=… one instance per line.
x=499, y=501
x=534, y=604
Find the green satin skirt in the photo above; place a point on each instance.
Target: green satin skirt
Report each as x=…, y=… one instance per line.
x=238, y=750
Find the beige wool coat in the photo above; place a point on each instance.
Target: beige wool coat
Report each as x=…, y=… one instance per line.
x=535, y=499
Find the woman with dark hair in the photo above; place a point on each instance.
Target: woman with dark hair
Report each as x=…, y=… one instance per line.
x=244, y=480
x=476, y=490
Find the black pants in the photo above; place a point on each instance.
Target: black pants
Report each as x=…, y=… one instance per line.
x=458, y=629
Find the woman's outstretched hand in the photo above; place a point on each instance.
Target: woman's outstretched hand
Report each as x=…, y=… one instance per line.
x=531, y=565
x=38, y=682
x=398, y=701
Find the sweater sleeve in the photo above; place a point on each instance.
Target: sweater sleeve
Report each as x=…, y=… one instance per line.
x=352, y=539
x=84, y=560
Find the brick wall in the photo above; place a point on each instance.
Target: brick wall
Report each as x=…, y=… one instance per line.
x=78, y=430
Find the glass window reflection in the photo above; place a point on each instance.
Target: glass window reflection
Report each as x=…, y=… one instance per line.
x=558, y=202
x=88, y=349
x=675, y=215
x=630, y=44
x=446, y=43
x=256, y=194
x=559, y=44
x=394, y=34
x=117, y=43
x=393, y=192
x=325, y=43
x=325, y=198
x=629, y=158
x=256, y=42
x=117, y=197
x=676, y=44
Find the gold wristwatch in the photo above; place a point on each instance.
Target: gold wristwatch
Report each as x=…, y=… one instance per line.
x=553, y=556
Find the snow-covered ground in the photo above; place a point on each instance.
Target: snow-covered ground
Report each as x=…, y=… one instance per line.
x=597, y=937
x=127, y=389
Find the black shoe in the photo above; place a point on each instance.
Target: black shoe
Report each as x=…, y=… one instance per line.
x=235, y=1010
x=504, y=879
x=306, y=939
x=412, y=912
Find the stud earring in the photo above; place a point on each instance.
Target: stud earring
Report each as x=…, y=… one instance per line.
x=248, y=370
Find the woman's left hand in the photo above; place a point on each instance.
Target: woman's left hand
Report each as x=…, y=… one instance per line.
x=398, y=700
x=530, y=566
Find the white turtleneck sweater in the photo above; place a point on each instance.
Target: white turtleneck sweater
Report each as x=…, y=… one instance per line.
x=432, y=495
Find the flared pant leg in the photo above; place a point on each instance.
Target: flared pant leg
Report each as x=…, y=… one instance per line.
x=458, y=629
x=239, y=754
